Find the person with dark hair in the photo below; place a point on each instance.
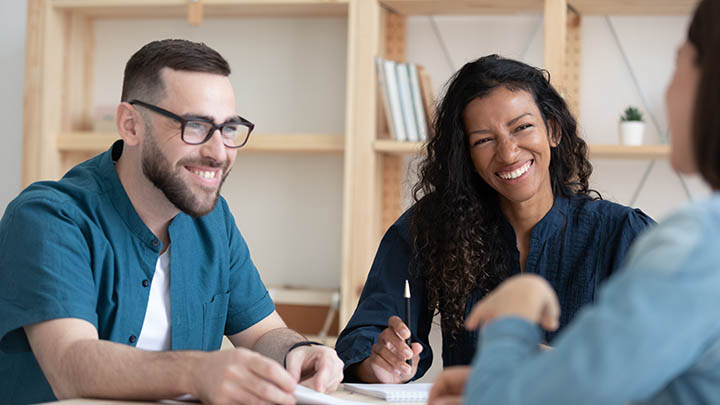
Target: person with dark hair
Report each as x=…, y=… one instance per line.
x=653, y=334
x=503, y=190
x=120, y=280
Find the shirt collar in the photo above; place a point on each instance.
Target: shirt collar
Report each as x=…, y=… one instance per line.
x=546, y=227
x=114, y=189
x=553, y=221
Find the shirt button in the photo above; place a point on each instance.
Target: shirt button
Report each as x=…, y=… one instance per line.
x=145, y=283
x=132, y=338
x=155, y=242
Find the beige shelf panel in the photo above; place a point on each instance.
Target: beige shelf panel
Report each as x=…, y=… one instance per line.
x=634, y=7
x=584, y=7
x=462, y=7
x=397, y=148
x=596, y=151
x=304, y=296
x=311, y=143
x=212, y=8
x=629, y=152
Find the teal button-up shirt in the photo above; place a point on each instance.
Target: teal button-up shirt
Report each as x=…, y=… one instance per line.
x=77, y=248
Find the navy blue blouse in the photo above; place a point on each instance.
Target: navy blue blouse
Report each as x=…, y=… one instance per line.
x=576, y=246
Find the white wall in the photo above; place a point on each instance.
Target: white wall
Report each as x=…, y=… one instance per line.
x=12, y=72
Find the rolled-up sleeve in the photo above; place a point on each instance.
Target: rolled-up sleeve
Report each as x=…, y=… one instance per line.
x=250, y=301
x=381, y=298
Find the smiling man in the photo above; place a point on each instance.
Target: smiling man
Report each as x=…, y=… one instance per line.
x=120, y=280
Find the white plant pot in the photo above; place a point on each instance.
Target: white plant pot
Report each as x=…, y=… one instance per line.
x=631, y=132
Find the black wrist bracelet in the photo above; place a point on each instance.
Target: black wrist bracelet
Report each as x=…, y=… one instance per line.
x=299, y=344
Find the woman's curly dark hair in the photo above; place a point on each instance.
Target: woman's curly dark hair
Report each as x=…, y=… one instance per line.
x=456, y=219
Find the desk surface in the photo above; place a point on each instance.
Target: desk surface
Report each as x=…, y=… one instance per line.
x=340, y=393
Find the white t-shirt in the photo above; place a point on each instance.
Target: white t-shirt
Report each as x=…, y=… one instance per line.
x=155, y=334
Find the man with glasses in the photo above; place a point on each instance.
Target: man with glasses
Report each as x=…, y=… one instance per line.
x=120, y=280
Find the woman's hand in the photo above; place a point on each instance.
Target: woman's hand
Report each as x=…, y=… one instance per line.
x=526, y=296
x=387, y=361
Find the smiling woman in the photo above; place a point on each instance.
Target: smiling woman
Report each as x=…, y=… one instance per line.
x=503, y=190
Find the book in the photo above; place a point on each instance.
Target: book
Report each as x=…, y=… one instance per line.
x=415, y=392
x=408, y=113
x=417, y=103
x=428, y=97
x=391, y=81
x=384, y=98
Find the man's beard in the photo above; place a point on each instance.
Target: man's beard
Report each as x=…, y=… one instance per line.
x=158, y=170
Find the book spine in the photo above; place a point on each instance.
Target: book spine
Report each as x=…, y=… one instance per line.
x=382, y=84
x=417, y=103
x=406, y=102
x=392, y=86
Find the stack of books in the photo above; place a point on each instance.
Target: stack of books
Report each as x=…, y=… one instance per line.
x=408, y=100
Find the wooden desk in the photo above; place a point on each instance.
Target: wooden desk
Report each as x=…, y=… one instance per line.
x=340, y=393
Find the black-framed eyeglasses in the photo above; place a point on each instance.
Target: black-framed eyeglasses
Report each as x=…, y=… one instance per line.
x=198, y=130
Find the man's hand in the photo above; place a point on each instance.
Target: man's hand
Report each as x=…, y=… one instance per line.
x=317, y=367
x=526, y=296
x=241, y=376
x=386, y=363
x=449, y=386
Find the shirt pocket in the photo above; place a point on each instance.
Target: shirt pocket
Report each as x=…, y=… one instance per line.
x=214, y=318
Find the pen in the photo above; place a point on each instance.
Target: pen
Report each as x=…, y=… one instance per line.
x=407, y=316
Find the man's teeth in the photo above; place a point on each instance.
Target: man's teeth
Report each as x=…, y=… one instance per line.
x=515, y=173
x=204, y=174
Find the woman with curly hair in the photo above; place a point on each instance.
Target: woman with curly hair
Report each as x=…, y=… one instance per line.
x=503, y=190
x=653, y=334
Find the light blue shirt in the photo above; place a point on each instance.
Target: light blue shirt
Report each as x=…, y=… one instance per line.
x=77, y=248
x=652, y=335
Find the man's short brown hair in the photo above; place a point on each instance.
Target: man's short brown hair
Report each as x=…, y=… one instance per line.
x=142, y=73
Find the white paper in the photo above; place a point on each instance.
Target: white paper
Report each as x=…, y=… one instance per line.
x=415, y=392
x=307, y=396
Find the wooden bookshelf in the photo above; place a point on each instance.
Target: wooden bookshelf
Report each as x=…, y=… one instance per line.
x=60, y=60
x=92, y=142
x=562, y=57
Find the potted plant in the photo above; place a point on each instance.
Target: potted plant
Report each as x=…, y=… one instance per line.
x=632, y=127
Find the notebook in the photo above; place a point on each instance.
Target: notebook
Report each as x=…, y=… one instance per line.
x=393, y=392
x=308, y=396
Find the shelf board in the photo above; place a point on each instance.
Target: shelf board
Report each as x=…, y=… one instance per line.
x=308, y=143
x=462, y=7
x=596, y=151
x=311, y=143
x=211, y=8
x=304, y=296
x=634, y=7
x=629, y=152
x=397, y=148
x=584, y=7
